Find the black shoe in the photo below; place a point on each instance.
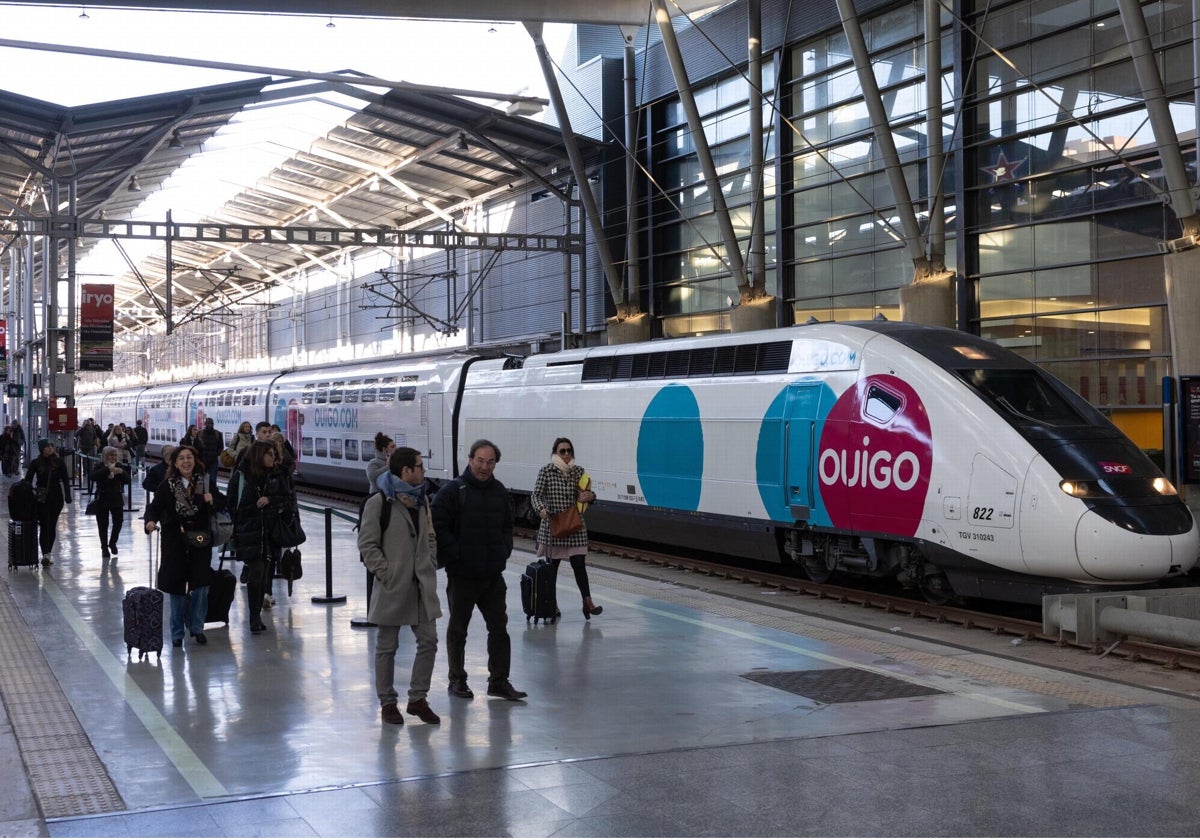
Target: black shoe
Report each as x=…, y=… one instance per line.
x=421, y=709
x=391, y=714
x=104, y=554
x=505, y=689
x=256, y=626
x=459, y=688
x=113, y=550
x=177, y=643
x=200, y=638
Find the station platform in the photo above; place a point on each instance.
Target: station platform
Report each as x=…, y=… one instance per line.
x=681, y=711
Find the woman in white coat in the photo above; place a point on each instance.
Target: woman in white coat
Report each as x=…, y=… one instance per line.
x=398, y=546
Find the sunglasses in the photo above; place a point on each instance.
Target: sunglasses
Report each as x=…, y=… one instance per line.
x=566, y=452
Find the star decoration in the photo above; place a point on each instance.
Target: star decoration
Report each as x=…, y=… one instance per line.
x=1004, y=170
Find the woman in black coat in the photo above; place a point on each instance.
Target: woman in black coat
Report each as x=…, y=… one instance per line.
x=110, y=476
x=52, y=486
x=191, y=438
x=260, y=492
x=185, y=502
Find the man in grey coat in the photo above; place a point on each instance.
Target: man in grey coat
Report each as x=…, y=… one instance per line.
x=397, y=542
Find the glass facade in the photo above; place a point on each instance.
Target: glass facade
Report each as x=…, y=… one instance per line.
x=1048, y=148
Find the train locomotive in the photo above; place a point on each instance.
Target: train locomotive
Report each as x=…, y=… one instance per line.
x=876, y=448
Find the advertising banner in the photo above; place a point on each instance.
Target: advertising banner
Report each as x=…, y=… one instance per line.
x=3, y=350
x=96, y=327
x=1189, y=427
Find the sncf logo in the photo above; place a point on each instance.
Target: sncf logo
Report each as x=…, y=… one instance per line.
x=875, y=456
x=1111, y=468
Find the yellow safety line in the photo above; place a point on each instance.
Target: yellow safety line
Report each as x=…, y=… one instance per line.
x=824, y=657
x=189, y=765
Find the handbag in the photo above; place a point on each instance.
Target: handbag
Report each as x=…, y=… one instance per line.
x=286, y=531
x=566, y=522
x=221, y=526
x=90, y=510
x=197, y=538
x=227, y=459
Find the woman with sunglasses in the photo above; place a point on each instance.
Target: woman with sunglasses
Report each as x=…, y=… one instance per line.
x=556, y=489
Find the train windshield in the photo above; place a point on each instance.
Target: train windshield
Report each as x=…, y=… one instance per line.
x=1025, y=397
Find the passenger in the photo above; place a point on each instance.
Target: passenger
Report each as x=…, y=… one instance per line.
x=377, y=466
x=86, y=438
x=191, y=438
x=212, y=441
x=8, y=452
x=118, y=438
x=102, y=436
x=259, y=493
x=158, y=473
x=288, y=449
x=474, y=521
x=18, y=435
x=184, y=502
x=284, y=450
x=110, y=477
x=240, y=443
x=286, y=459
x=403, y=558
x=52, y=488
x=139, y=438
x=556, y=489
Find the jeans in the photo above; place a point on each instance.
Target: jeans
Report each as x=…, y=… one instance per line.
x=490, y=595
x=387, y=640
x=193, y=607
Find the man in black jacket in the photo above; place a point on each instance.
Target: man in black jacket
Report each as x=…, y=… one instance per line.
x=473, y=519
x=141, y=437
x=212, y=442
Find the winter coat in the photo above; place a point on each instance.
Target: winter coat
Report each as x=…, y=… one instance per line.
x=252, y=524
x=402, y=560
x=212, y=442
x=110, y=488
x=181, y=567
x=240, y=443
x=50, y=473
x=474, y=528
x=555, y=491
x=376, y=467
x=154, y=477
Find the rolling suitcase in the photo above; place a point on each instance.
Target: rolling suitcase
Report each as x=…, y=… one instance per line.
x=22, y=543
x=538, y=596
x=142, y=610
x=220, y=595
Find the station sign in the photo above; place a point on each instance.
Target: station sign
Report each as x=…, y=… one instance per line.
x=96, y=309
x=1189, y=429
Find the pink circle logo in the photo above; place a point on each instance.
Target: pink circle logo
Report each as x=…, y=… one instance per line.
x=876, y=453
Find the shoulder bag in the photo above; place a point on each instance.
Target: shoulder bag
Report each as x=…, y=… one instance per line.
x=197, y=538
x=286, y=531
x=566, y=522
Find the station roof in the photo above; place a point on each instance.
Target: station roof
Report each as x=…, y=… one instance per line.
x=348, y=156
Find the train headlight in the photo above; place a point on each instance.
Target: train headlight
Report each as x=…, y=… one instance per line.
x=1085, y=489
x=1164, y=487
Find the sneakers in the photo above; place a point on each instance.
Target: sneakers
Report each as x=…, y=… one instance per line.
x=420, y=708
x=391, y=714
x=268, y=602
x=505, y=689
x=46, y=561
x=459, y=688
x=112, y=549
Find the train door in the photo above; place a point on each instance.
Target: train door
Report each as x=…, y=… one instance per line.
x=435, y=457
x=800, y=437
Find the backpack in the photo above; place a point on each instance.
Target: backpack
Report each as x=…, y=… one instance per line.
x=385, y=510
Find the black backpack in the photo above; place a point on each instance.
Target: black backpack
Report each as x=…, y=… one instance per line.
x=385, y=513
x=22, y=502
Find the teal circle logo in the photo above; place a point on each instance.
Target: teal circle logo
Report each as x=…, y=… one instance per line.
x=670, y=450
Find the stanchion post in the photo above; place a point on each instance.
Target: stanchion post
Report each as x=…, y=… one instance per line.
x=329, y=597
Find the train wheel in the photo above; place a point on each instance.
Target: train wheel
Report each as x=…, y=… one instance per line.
x=936, y=589
x=817, y=571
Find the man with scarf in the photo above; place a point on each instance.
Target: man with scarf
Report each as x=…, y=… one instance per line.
x=399, y=548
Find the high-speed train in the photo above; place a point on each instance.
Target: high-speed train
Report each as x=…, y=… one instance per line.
x=877, y=448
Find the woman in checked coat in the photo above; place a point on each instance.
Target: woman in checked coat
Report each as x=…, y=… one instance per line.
x=556, y=489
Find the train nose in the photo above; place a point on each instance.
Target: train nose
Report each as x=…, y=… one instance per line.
x=1108, y=552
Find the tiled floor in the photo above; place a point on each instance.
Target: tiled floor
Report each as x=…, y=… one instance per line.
x=639, y=723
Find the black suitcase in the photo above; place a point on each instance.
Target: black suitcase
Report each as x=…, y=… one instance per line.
x=220, y=596
x=538, y=596
x=22, y=543
x=142, y=610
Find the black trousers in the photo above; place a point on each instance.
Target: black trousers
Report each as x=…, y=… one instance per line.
x=490, y=596
x=48, y=513
x=103, y=514
x=579, y=567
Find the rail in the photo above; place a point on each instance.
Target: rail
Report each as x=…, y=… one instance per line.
x=329, y=514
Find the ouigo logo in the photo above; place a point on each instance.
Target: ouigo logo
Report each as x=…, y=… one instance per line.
x=876, y=453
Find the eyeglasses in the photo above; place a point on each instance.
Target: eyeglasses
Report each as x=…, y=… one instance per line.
x=566, y=452
x=418, y=466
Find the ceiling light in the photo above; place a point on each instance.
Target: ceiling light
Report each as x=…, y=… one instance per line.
x=133, y=184
x=176, y=140
x=331, y=24
x=462, y=145
x=374, y=185
x=83, y=15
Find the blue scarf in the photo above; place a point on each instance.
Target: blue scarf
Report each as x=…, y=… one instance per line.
x=393, y=484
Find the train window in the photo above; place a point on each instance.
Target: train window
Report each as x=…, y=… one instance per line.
x=641, y=364
x=335, y=392
x=306, y=446
x=657, y=366
x=406, y=393
x=335, y=448
x=367, y=450
x=322, y=448
x=387, y=389
x=306, y=396
x=1023, y=396
x=702, y=361
x=369, y=390
x=322, y=393
x=624, y=368
x=352, y=390
x=678, y=362
x=250, y=397
x=723, y=363
x=351, y=450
